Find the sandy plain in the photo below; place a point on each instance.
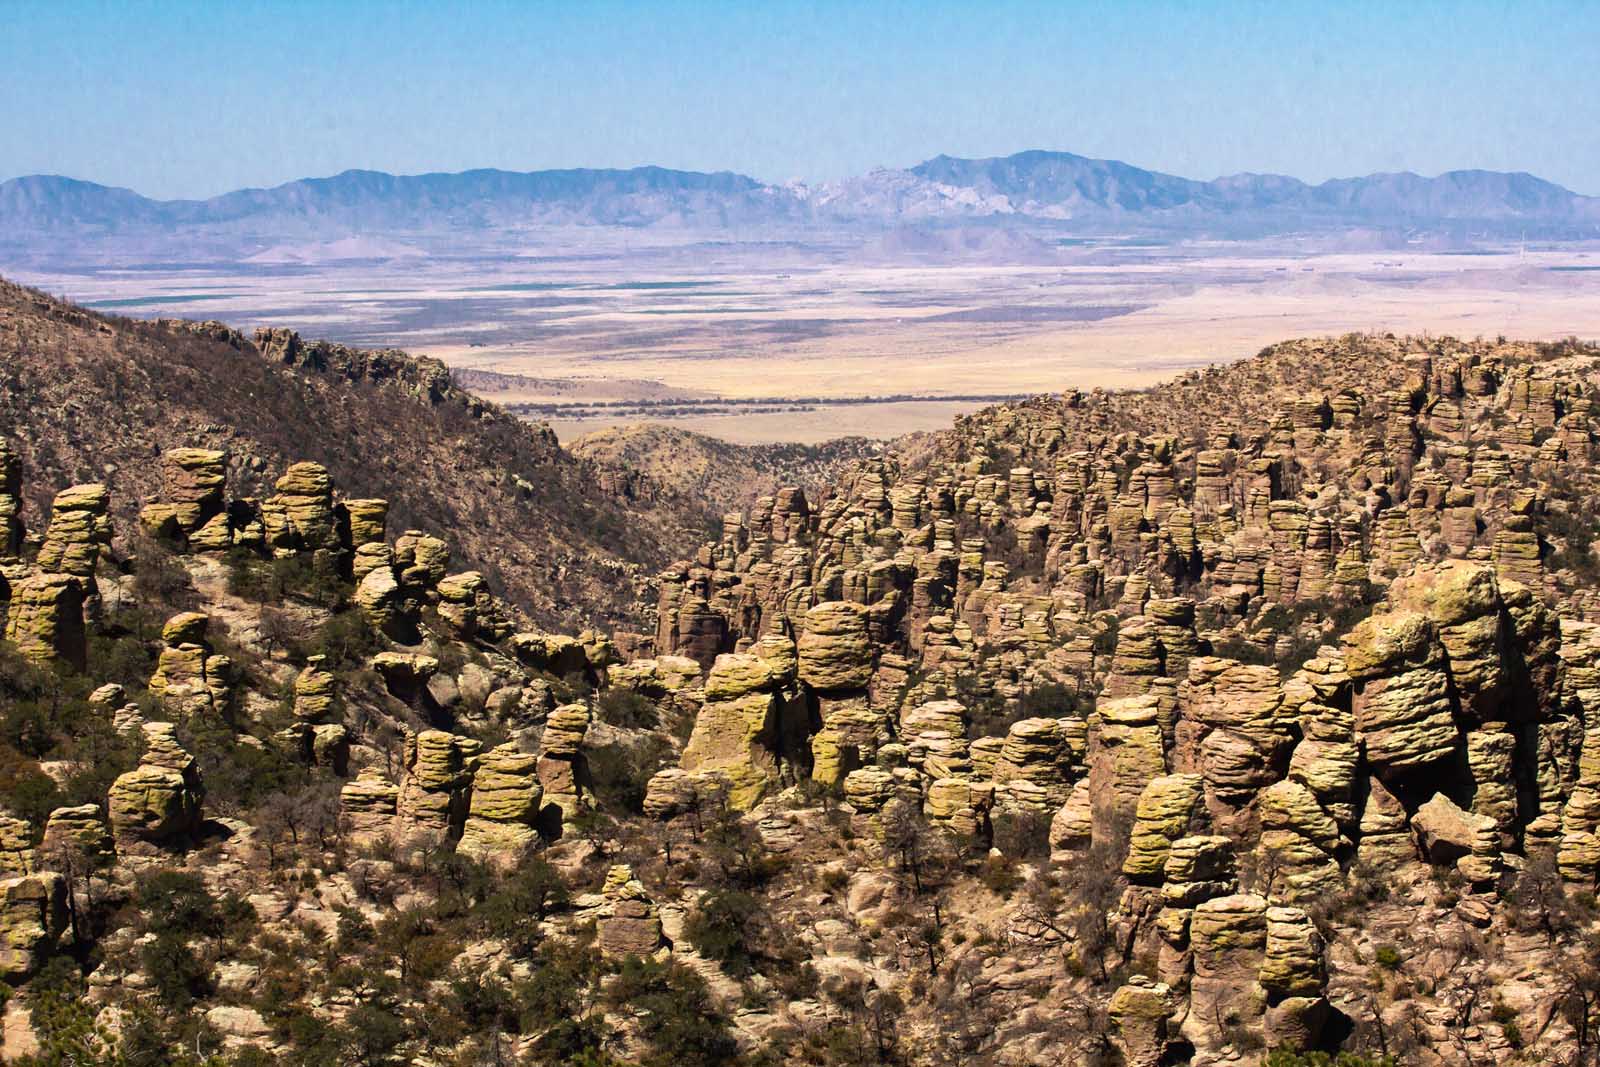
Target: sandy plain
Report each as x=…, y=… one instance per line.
x=752, y=345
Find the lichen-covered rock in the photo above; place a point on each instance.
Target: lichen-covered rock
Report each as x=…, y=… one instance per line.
x=421, y=560
x=10, y=502
x=1032, y=771
x=436, y=789
x=835, y=653
x=957, y=805
x=1072, y=827
x=79, y=526
x=157, y=804
x=299, y=517
x=316, y=693
x=1198, y=869
x=558, y=654
x=1401, y=692
x=1293, y=963
x=45, y=619
x=737, y=730
x=194, y=496
x=33, y=922
x=367, y=518
x=562, y=768
x=75, y=838
x=16, y=847
x=849, y=737
x=1228, y=939
x=190, y=678
x=1125, y=755
x=503, y=816
x=1162, y=816
x=378, y=596
x=1300, y=840
x=1140, y=1013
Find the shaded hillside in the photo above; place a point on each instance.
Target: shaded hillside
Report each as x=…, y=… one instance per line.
x=87, y=397
x=712, y=474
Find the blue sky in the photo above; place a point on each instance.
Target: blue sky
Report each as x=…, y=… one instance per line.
x=193, y=99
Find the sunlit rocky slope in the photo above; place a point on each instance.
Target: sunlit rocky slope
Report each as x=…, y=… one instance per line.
x=1241, y=718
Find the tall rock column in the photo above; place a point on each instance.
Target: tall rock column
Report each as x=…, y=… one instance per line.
x=737, y=731
x=836, y=666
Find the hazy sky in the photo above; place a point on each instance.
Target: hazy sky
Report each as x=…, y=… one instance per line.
x=193, y=99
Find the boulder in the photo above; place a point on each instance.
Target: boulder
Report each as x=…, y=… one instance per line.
x=834, y=650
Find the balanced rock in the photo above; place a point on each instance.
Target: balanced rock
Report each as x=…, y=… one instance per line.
x=835, y=653
x=627, y=923
x=79, y=526
x=316, y=697
x=190, y=678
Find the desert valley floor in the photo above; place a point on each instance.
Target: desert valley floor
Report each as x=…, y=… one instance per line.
x=761, y=342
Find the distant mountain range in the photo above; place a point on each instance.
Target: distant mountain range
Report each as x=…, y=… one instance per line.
x=1052, y=190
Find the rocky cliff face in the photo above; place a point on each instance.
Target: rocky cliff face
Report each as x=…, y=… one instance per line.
x=1252, y=714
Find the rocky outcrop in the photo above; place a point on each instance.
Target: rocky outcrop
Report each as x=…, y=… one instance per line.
x=77, y=839
x=300, y=516
x=10, y=502
x=367, y=807
x=33, y=922
x=627, y=923
x=79, y=527
x=562, y=768
x=156, y=805
x=1140, y=1014
x=190, y=678
x=435, y=790
x=45, y=619
x=737, y=733
x=192, y=510
x=503, y=815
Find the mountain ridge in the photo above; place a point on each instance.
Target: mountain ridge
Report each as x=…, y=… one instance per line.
x=1034, y=186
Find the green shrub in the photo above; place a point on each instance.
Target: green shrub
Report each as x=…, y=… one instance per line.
x=627, y=709
x=1387, y=957
x=721, y=927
